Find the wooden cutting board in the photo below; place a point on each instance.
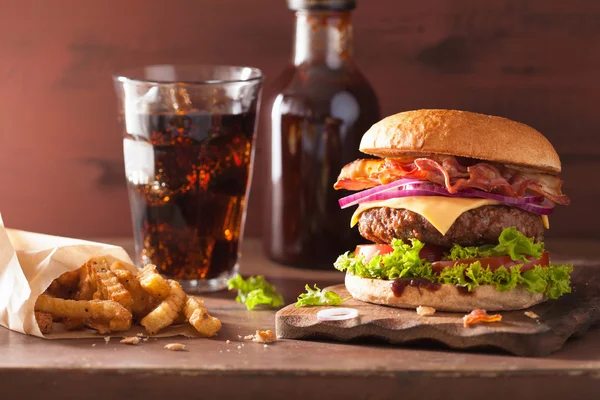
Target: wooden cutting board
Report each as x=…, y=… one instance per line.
x=517, y=334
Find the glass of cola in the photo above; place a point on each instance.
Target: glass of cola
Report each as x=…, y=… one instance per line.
x=188, y=143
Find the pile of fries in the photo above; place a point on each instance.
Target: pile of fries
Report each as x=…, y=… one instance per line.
x=108, y=297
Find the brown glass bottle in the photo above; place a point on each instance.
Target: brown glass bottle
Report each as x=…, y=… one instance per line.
x=322, y=108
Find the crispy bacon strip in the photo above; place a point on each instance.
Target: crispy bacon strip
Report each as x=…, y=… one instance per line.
x=479, y=315
x=448, y=172
x=544, y=184
x=358, y=175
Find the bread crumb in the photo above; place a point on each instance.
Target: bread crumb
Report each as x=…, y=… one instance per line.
x=228, y=341
x=107, y=339
x=265, y=345
x=94, y=345
x=239, y=336
x=175, y=347
x=239, y=347
x=425, y=311
x=133, y=340
x=139, y=334
x=531, y=314
x=228, y=350
x=145, y=339
x=262, y=336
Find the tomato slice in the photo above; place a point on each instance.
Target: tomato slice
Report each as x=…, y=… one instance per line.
x=369, y=250
x=496, y=262
x=432, y=253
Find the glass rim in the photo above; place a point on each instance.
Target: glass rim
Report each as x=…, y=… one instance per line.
x=129, y=75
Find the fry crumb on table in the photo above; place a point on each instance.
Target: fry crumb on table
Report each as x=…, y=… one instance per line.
x=425, y=311
x=175, y=347
x=262, y=336
x=531, y=314
x=133, y=340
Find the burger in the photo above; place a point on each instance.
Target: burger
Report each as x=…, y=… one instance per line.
x=456, y=204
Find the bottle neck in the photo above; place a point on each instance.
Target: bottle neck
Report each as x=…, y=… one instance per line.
x=323, y=37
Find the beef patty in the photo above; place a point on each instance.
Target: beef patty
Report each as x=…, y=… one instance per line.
x=475, y=227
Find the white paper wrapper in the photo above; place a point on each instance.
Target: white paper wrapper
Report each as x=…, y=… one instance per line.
x=29, y=262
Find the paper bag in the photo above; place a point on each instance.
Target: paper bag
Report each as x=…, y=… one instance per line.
x=29, y=262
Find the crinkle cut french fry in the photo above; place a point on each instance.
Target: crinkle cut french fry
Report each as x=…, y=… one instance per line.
x=118, y=318
x=96, y=309
x=107, y=283
x=166, y=312
x=102, y=327
x=73, y=324
x=153, y=282
x=44, y=321
x=86, y=288
x=142, y=301
x=104, y=297
x=199, y=318
x=69, y=279
x=65, y=286
x=57, y=290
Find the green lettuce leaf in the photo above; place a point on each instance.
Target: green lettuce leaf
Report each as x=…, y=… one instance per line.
x=317, y=297
x=456, y=276
x=558, y=279
x=534, y=279
x=404, y=262
x=510, y=243
x=254, y=291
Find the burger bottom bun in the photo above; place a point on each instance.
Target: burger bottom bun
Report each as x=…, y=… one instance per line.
x=446, y=298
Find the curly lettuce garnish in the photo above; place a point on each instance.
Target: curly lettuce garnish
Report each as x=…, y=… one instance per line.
x=404, y=262
x=318, y=297
x=510, y=243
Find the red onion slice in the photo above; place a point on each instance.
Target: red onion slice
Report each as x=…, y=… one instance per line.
x=394, y=194
x=337, y=314
x=411, y=187
x=503, y=199
x=356, y=198
x=545, y=208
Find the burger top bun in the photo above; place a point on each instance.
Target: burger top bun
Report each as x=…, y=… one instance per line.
x=446, y=298
x=460, y=133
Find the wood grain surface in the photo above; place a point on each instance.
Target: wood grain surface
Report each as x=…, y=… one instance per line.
x=229, y=367
x=516, y=333
x=534, y=61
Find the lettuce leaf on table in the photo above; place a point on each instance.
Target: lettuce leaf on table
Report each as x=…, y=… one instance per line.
x=255, y=291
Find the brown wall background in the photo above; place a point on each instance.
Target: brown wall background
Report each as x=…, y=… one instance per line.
x=61, y=167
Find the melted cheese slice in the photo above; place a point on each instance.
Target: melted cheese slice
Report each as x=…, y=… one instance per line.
x=546, y=221
x=440, y=211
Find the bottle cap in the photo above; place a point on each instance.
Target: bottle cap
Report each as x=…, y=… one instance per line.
x=336, y=5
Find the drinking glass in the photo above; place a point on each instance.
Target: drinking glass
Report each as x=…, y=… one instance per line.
x=188, y=143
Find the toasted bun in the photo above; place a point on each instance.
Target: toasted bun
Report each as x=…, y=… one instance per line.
x=446, y=298
x=460, y=133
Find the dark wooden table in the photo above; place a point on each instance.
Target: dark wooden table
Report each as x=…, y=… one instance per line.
x=212, y=368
